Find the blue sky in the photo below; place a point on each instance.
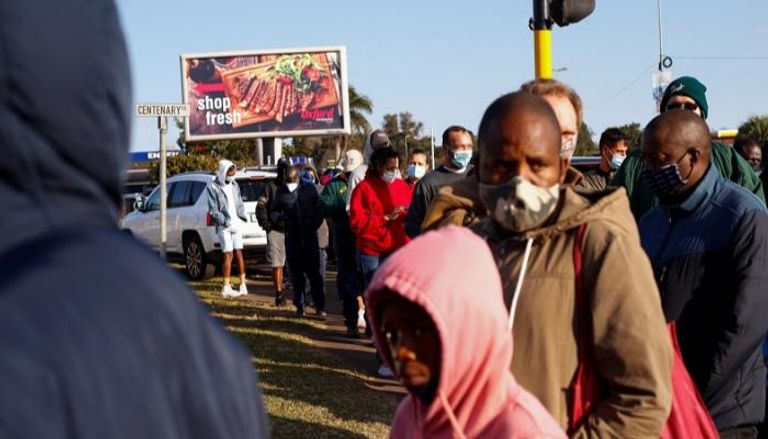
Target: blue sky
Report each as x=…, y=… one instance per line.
x=445, y=61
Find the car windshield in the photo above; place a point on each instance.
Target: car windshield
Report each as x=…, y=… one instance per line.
x=251, y=189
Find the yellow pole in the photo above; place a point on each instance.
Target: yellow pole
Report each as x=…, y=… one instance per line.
x=542, y=48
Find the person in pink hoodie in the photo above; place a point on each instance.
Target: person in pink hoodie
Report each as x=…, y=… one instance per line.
x=439, y=320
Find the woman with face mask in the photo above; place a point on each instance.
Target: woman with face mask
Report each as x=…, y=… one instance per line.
x=377, y=214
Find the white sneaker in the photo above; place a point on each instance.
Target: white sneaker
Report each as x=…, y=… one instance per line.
x=385, y=371
x=227, y=291
x=243, y=291
x=361, y=320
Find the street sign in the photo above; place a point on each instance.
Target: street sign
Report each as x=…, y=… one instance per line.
x=162, y=110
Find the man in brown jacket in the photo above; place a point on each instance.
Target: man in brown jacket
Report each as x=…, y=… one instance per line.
x=534, y=218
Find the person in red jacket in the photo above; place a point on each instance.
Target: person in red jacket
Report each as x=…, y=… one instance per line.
x=377, y=216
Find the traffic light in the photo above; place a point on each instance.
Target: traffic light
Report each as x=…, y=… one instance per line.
x=566, y=12
x=545, y=14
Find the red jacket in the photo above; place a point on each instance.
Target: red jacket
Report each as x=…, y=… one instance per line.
x=371, y=200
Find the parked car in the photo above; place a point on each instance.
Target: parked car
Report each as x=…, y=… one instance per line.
x=191, y=236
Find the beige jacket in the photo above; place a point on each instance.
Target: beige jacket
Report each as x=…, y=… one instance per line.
x=632, y=350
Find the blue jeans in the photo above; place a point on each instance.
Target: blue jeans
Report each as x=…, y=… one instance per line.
x=368, y=265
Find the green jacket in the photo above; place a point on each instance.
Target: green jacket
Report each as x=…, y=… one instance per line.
x=727, y=162
x=333, y=205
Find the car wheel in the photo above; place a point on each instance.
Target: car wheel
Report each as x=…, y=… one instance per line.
x=195, y=259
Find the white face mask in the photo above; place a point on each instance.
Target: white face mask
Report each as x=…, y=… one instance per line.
x=390, y=176
x=518, y=205
x=292, y=186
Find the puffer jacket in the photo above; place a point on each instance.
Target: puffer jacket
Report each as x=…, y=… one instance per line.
x=709, y=258
x=631, y=347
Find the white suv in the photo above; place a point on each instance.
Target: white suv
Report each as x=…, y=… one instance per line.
x=191, y=235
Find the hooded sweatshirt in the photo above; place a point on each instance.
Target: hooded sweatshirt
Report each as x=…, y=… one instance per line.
x=225, y=204
x=358, y=174
x=477, y=396
x=630, y=342
x=99, y=339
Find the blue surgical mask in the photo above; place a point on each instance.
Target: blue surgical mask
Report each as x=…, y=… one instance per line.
x=416, y=171
x=616, y=161
x=665, y=181
x=461, y=159
x=307, y=178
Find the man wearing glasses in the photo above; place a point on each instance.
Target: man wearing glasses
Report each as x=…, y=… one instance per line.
x=689, y=94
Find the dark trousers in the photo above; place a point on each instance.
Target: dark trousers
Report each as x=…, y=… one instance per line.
x=303, y=254
x=743, y=432
x=346, y=281
x=763, y=428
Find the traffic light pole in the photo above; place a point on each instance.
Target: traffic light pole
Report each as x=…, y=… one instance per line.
x=541, y=25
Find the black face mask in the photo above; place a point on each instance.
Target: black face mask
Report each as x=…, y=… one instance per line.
x=666, y=181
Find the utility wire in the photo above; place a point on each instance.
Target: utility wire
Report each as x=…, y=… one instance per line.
x=723, y=58
x=623, y=89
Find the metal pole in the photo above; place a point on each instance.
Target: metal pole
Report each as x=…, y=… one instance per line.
x=162, y=126
x=432, y=139
x=406, y=146
x=541, y=25
x=661, y=37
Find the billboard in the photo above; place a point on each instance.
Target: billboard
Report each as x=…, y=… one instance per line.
x=265, y=93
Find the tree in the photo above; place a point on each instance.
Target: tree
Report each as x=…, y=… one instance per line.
x=186, y=163
x=391, y=125
x=404, y=127
x=359, y=106
x=410, y=126
x=757, y=128
x=585, y=145
x=634, y=135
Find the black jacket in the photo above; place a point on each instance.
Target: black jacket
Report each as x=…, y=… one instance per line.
x=98, y=338
x=264, y=207
x=297, y=211
x=425, y=191
x=710, y=258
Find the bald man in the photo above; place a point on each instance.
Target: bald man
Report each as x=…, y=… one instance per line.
x=534, y=216
x=708, y=241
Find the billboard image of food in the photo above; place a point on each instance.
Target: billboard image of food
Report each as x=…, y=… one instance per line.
x=283, y=93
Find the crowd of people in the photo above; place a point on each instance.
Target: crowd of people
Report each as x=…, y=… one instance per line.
x=657, y=252
x=634, y=297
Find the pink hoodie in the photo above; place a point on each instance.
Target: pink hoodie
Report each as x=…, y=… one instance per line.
x=452, y=275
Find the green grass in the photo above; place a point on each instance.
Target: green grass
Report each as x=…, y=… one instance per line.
x=309, y=392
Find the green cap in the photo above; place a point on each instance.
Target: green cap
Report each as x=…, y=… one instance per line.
x=687, y=86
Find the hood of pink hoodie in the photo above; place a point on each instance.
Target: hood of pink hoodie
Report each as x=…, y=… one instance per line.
x=452, y=275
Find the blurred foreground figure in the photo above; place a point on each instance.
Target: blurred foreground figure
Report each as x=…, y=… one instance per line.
x=99, y=339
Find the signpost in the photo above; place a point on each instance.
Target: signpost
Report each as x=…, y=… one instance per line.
x=162, y=111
